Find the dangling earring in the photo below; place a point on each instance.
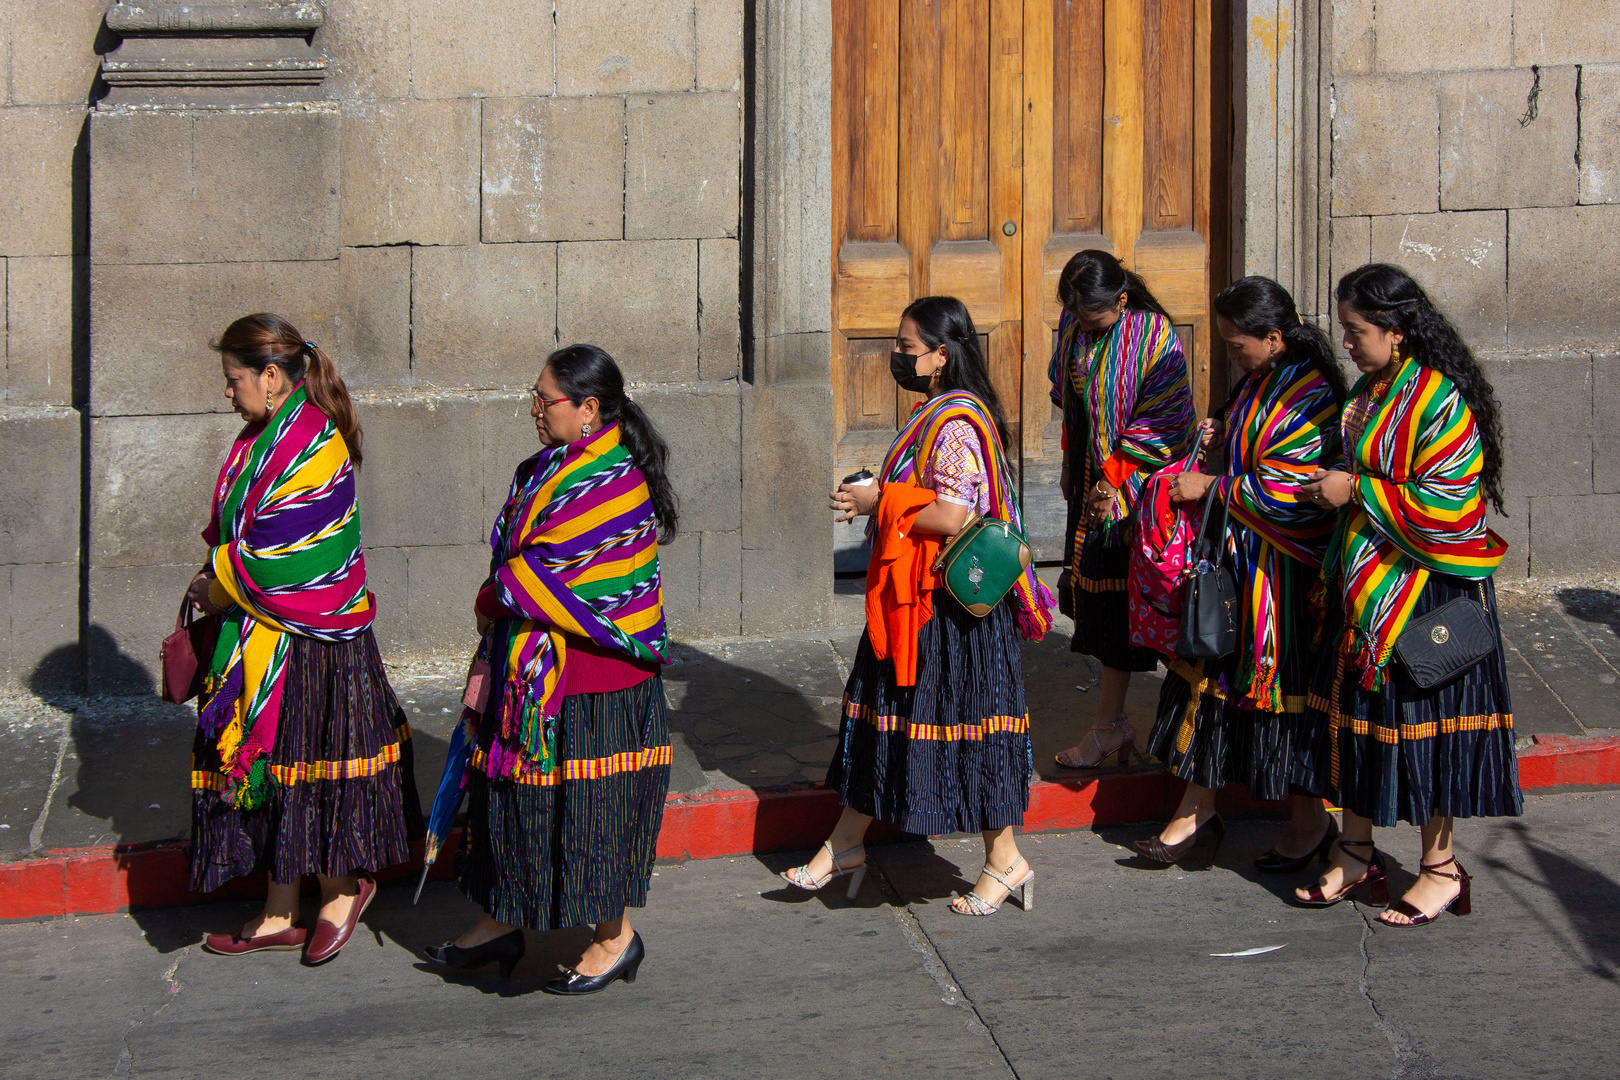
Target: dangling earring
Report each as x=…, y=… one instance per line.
x=267, y=400
x=586, y=432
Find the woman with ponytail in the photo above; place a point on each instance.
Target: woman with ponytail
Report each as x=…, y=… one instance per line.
x=1423, y=448
x=302, y=762
x=571, y=756
x=1240, y=719
x=1121, y=379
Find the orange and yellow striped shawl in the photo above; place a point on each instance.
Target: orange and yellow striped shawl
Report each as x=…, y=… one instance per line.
x=1418, y=510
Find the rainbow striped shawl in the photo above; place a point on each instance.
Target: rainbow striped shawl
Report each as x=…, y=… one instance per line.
x=285, y=533
x=575, y=550
x=1418, y=510
x=1131, y=383
x=915, y=445
x=1280, y=428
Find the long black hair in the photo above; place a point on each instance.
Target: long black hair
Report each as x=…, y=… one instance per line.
x=1257, y=306
x=1387, y=297
x=944, y=320
x=1092, y=281
x=585, y=371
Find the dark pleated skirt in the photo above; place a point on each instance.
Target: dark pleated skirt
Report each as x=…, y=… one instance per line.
x=345, y=799
x=951, y=754
x=579, y=851
x=1402, y=754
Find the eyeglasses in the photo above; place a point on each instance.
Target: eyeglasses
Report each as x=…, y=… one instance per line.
x=545, y=403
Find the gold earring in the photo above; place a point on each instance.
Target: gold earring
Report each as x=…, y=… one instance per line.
x=586, y=432
x=267, y=399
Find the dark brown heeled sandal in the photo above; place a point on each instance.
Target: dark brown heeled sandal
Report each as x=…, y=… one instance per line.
x=1459, y=905
x=1375, y=878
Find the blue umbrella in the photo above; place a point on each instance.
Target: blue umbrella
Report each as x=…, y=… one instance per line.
x=452, y=786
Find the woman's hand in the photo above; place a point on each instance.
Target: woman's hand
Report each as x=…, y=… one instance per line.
x=1190, y=486
x=197, y=593
x=485, y=623
x=1101, y=499
x=1208, y=431
x=854, y=500
x=1329, y=489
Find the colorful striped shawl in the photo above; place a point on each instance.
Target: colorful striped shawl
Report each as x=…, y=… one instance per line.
x=1131, y=383
x=575, y=550
x=1418, y=510
x=1280, y=428
x=915, y=445
x=285, y=532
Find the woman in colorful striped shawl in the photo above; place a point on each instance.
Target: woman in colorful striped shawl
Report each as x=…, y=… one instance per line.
x=571, y=756
x=935, y=734
x=1239, y=719
x=302, y=758
x=1423, y=444
x=1121, y=379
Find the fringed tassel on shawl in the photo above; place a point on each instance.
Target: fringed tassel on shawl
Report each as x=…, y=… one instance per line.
x=524, y=721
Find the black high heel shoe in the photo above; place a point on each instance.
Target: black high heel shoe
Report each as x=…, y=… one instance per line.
x=1273, y=863
x=572, y=984
x=1211, y=833
x=506, y=950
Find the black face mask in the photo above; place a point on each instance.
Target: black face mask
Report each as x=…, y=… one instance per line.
x=903, y=366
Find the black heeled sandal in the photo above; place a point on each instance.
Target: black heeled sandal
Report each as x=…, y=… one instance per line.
x=1273, y=862
x=507, y=950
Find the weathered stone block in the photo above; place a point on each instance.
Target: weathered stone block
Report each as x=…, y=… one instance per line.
x=386, y=578
x=37, y=148
x=57, y=64
x=39, y=507
x=183, y=187
x=681, y=177
x=150, y=327
x=1600, y=120
x=1353, y=37
x=482, y=315
x=374, y=324
x=719, y=325
x=421, y=483
x=444, y=583
x=720, y=585
x=1461, y=262
x=39, y=329
x=1419, y=35
x=702, y=424
x=509, y=438
x=1572, y=534
x=1606, y=423
x=787, y=529
x=1546, y=424
x=1558, y=302
x=504, y=50
x=796, y=357
x=624, y=46
x=553, y=169
x=410, y=172
x=131, y=612
x=719, y=44
x=368, y=49
x=1565, y=32
x=45, y=626
x=637, y=299
x=1508, y=138
x=152, y=486
x=1349, y=246
x=1514, y=527
x=1385, y=145
x=680, y=573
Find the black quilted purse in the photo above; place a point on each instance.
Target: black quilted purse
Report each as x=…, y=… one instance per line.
x=1209, y=618
x=1439, y=648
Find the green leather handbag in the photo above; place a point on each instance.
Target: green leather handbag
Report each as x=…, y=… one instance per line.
x=983, y=562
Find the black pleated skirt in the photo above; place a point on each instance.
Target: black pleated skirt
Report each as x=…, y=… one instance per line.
x=345, y=799
x=1402, y=754
x=951, y=754
x=577, y=851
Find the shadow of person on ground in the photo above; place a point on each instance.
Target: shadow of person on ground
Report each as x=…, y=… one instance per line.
x=1600, y=606
x=1589, y=898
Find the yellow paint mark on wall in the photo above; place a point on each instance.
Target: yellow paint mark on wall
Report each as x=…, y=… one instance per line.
x=1271, y=34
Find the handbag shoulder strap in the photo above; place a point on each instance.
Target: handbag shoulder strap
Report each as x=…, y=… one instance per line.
x=1226, y=520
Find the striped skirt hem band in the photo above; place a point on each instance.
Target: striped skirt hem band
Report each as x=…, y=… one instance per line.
x=972, y=732
x=304, y=772
x=582, y=769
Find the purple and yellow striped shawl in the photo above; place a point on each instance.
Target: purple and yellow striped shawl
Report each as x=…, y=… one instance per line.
x=575, y=550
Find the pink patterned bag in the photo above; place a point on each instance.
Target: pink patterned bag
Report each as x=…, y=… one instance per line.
x=1161, y=560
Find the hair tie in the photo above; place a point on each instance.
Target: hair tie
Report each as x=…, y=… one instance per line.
x=310, y=345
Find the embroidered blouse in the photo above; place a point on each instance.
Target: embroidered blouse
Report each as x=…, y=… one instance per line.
x=956, y=470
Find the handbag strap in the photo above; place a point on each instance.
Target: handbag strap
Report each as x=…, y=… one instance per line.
x=1226, y=520
x=183, y=618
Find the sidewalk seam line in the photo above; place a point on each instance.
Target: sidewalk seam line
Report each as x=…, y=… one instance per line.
x=36, y=835
x=1507, y=642
x=1405, y=1055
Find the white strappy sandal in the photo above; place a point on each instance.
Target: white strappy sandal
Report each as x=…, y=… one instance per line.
x=1025, y=885
x=800, y=876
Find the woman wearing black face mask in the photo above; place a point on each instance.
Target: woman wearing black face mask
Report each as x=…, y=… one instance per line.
x=935, y=735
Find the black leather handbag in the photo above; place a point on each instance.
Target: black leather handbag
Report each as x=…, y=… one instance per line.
x=1209, y=618
x=1440, y=647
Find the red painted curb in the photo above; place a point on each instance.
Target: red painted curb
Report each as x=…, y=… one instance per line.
x=95, y=881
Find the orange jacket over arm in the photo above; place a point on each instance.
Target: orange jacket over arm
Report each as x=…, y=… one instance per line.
x=900, y=579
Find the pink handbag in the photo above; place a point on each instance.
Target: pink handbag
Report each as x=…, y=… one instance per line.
x=187, y=652
x=1161, y=561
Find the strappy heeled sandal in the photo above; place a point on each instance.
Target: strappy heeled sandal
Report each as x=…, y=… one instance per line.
x=1459, y=905
x=1123, y=748
x=978, y=905
x=801, y=877
x=1374, y=878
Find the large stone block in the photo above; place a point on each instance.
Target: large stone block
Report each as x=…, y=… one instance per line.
x=553, y=169
x=131, y=612
x=719, y=318
x=1558, y=301
x=38, y=152
x=443, y=583
x=684, y=156
x=421, y=484
x=39, y=329
x=502, y=50
x=39, y=503
x=152, y=486
x=624, y=46
x=184, y=187
x=150, y=327
x=1461, y=262
x=635, y=298
x=57, y=64
x=1606, y=423
x=1566, y=31
x=368, y=49
x=410, y=172
x=1420, y=35
x=374, y=324
x=1508, y=138
x=1573, y=534
x=796, y=357
x=1353, y=37
x=719, y=44
x=509, y=438
x=680, y=572
x=386, y=578
x=1600, y=120
x=787, y=530
x=702, y=424
x=483, y=315
x=45, y=627
x=720, y=585
x=1385, y=145
x=1514, y=527
x=1546, y=424
x=1349, y=246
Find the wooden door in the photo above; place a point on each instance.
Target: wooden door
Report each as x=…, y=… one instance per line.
x=977, y=144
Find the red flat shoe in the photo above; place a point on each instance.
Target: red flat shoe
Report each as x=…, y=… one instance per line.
x=327, y=939
x=288, y=940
